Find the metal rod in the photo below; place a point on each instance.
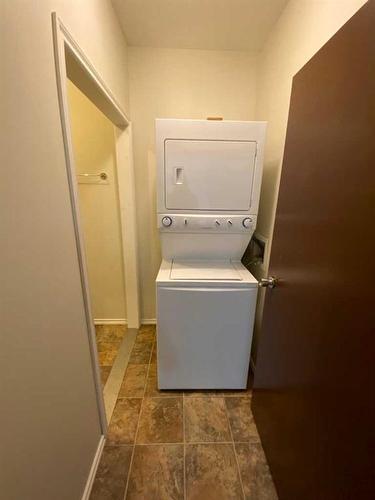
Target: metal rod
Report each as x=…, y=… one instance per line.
x=102, y=175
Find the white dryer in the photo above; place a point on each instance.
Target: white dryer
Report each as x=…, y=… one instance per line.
x=209, y=176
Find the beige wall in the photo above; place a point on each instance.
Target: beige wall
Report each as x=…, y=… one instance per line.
x=49, y=418
x=303, y=27
x=94, y=151
x=167, y=83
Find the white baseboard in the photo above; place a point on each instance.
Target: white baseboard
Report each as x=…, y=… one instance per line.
x=111, y=321
x=93, y=469
x=122, y=321
x=150, y=321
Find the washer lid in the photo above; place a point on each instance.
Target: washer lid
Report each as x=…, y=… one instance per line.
x=204, y=270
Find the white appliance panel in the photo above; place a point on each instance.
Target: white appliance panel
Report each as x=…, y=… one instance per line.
x=198, y=223
x=209, y=174
x=212, y=270
x=204, y=337
x=203, y=246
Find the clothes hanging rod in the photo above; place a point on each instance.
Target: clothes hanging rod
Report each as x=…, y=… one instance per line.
x=102, y=175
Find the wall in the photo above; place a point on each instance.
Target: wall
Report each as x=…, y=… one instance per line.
x=303, y=27
x=50, y=428
x=94, y=151
x=167, y=83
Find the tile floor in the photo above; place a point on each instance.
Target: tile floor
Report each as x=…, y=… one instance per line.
x=199, y=445
x=108, y=340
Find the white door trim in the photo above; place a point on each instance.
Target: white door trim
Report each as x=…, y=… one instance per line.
x=70, y=57
x=94, y=467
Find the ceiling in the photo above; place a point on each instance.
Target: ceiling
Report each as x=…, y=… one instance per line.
x=198, y=24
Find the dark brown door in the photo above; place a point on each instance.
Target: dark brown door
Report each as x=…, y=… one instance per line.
x=314, y=381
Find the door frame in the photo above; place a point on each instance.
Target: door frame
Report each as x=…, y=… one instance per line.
x=71, y=60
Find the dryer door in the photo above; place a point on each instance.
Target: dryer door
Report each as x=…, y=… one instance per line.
x=209, y=175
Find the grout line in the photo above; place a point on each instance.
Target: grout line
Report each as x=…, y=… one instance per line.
x=237, y=396
x=234, y=451
x=129, y=397
x=174, y=396
x=207, y=442
x=160, y=444
x=177, y=395
x=151, y=397
x=192, y=443
x=208, y=395
x=139, y=419
x=181, y=443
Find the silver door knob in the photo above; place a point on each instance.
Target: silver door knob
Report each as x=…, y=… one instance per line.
x=268, y=282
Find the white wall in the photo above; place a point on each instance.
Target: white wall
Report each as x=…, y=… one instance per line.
x=167, y=83
x=302, y=29
x=49, y=418
x=95, y=151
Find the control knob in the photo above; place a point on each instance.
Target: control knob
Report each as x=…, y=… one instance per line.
x=166, y=221
x=247, y=222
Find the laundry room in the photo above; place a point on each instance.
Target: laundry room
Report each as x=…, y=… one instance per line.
x=179, y=306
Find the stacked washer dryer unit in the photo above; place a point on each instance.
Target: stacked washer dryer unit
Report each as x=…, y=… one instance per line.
x=208, y=181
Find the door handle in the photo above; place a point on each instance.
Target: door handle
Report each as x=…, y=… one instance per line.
x=179, y=175
x=268, y=282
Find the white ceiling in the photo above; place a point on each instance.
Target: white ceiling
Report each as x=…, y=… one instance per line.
x=198, y=24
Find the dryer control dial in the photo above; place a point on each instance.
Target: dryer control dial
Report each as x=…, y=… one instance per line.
x=166, y=221
x=247, y=222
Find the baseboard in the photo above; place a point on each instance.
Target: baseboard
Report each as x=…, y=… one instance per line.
x=122, y=321
x=151, y=321
x=111, y=321
x=93, y=469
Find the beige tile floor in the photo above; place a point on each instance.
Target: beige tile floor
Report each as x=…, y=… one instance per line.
x=195, y=445
x=108, y=341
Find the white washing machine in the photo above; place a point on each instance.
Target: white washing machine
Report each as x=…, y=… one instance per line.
x=209, y=176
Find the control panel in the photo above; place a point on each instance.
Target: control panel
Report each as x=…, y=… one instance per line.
x=206, y=223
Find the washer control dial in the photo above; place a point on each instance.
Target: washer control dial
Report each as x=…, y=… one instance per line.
x=166, y=221
x=247, y=222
